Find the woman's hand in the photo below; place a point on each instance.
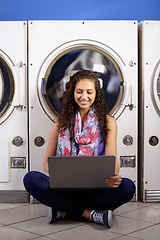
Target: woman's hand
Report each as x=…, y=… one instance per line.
x=114, y=181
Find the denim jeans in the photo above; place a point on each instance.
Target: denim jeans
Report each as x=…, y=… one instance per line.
x=74, y=202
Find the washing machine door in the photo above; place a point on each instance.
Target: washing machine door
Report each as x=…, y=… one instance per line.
x=61, y=66
x=156, y=88
x=6, y=90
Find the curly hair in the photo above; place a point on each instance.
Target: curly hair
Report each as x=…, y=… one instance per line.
x=69, y=106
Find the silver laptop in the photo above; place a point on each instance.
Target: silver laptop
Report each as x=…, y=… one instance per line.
x=80, y=172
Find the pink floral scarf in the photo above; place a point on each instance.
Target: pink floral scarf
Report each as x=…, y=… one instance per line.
x=86, y=137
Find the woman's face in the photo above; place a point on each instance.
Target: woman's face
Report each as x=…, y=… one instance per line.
x=85, y=93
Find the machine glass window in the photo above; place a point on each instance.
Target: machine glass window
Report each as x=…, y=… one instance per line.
x=156, y=88
x=158, y=85
x=106, y=69
x=6, y=86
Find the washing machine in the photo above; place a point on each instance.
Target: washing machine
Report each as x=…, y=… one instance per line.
x=59, y=48
x=13, y=111
x=149, y=120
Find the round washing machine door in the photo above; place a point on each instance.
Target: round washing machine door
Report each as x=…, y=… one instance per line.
x=60, y=65
x=156, y=87
x=6, y=90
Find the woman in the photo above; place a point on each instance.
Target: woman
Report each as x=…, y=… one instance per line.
x=83, y=128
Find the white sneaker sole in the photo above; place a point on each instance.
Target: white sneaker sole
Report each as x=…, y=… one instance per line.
x=110, y=218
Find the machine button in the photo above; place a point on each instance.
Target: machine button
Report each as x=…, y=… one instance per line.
x=39, y=141
x=17, y=141
x=153, y=141
x=128, y=140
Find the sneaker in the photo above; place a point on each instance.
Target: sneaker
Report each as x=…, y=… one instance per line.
x=54, y=215
x=103, y=217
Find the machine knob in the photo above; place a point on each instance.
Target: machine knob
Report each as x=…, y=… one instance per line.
x=153, y=141
x=128, y=140
x=39, y=141
x=17, y=141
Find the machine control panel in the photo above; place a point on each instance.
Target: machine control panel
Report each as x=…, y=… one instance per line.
x=128, y=161
x=18, y=162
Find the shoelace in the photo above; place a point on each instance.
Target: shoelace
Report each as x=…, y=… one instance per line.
x=98, y=217
x=60, y=215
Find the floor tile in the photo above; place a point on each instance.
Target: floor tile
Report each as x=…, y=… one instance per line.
x=84, y=232
x=17, y=215
x=147, y=214
x=41, y=227
x=132, y=221
x=156, y=205
x=126, y=238
x=148, y=233
x=9, y=233
x=46, y=238
x=38, y=209
x=124, y=225
x=128, y=207
x=5, y=206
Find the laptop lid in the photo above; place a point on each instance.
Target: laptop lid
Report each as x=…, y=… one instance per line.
x=80, y=172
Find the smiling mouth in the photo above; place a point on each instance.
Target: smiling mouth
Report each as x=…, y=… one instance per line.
x=83, y=102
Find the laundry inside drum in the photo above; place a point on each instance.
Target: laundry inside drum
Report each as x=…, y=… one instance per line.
x=106, y=70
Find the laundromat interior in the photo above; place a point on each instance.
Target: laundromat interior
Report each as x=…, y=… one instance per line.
x=38, y=54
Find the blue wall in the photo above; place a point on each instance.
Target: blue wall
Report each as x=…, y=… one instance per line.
x=79, y=9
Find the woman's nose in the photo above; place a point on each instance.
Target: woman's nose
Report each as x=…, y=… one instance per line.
x=84, y=95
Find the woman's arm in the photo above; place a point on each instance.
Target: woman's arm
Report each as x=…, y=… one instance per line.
x=111, y=142
x=111, y=149
x=52, y=146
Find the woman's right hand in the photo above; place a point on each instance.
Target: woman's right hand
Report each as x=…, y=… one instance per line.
x=114, y=181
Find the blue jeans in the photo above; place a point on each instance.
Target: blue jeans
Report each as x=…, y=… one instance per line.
x=74, y=202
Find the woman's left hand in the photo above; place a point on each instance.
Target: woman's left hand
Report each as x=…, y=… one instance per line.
x=114, y=181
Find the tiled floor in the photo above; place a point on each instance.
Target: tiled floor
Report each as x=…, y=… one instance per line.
x=135, y=220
